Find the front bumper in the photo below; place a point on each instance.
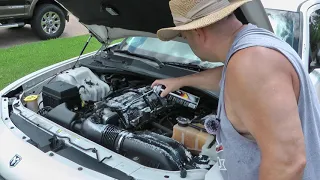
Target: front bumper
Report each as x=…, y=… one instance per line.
x=34, y=163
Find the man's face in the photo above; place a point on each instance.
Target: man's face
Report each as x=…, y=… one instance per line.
x=195, y=42
x=203, y=42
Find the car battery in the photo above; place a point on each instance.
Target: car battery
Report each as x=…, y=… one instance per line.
x=59, y=92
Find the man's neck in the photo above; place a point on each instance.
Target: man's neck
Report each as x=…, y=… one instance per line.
x=226, y=44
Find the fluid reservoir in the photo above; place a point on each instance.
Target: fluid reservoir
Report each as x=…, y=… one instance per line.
x=191, y=137
x=31, y=102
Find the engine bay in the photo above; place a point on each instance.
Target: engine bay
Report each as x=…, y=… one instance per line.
x=124, y=114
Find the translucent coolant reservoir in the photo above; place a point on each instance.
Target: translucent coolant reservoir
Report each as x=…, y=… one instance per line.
x=191, y=137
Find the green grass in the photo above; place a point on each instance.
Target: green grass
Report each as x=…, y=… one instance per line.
x=18, y=61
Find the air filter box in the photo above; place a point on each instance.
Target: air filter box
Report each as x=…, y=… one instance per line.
x=59, y=92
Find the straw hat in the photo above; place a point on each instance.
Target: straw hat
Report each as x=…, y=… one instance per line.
x=193, y=14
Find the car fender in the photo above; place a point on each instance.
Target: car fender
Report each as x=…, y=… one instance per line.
x=33, y=3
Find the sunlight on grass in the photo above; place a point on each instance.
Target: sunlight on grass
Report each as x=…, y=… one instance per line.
x=21, y=60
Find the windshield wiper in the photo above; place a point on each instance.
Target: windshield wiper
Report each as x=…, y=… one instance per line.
x=153, y=59
x=185, y=65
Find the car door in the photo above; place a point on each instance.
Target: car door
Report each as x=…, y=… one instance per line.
x=12, y=8
x=311, y=40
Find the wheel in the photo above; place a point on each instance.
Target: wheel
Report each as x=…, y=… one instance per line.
x=48, y=21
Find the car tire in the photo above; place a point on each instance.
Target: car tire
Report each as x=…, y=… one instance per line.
x=48, y=21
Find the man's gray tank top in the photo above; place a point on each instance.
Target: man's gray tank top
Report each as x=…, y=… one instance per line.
x=239, y=157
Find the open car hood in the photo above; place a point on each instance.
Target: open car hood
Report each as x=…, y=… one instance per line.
x=108, y=20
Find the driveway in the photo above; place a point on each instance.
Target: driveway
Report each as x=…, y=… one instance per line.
x=11, y=37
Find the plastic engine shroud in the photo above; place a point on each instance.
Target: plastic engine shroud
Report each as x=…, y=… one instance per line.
x=91, y=88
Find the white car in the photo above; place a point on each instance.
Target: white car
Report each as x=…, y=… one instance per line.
x=96, y=117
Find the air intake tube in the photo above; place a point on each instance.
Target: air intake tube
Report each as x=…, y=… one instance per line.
x=150, y=148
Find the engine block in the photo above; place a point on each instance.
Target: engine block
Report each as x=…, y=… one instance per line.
x=136, y=106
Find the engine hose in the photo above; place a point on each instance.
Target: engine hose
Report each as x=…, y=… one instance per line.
x=169, y=154
x=169, y=131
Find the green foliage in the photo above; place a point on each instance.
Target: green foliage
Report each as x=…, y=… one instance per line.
x=21, y=60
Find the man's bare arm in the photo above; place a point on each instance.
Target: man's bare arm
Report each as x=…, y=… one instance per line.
x=260, y=87
x=208, y=80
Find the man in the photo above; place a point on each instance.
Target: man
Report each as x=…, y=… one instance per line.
x=268, y=109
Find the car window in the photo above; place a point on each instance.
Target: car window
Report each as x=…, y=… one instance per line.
x=286, y=25
x=314, y=23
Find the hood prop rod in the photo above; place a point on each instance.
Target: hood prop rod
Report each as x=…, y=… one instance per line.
x=84, y=48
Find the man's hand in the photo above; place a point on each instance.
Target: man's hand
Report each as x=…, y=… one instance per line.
x=171, y=84
x=208, y=80
x=263, y=89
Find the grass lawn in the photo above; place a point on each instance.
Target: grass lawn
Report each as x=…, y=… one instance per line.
x=18, y=61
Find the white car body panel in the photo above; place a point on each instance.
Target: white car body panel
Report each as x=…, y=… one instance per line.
x=34, y=163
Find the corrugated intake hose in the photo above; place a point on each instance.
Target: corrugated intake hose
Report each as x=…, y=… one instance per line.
x=163, y=152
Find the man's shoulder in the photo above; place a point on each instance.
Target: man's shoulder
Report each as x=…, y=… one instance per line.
x=259, y=59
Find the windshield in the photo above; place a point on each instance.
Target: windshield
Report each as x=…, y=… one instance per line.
x=165, y=51
x=285, y=24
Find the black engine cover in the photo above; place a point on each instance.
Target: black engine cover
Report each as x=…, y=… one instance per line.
x=59, y=92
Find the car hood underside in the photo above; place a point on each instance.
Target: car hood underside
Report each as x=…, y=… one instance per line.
x=113, y=19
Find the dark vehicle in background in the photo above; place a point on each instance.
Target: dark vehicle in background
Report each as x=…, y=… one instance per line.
x=46, y=17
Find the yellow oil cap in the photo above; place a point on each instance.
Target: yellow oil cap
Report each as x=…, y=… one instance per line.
x=31, y=98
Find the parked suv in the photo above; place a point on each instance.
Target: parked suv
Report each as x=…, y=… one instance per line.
x=46, y=17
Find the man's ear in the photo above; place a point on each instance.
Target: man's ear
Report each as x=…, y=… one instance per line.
x=200, y=35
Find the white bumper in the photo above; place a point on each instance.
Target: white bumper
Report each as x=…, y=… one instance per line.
x=34, y=163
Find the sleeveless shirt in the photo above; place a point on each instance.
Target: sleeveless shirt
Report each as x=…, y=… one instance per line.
x=239, y=157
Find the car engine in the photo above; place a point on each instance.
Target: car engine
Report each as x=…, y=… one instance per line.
x=136, y=106
x=129, y=118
